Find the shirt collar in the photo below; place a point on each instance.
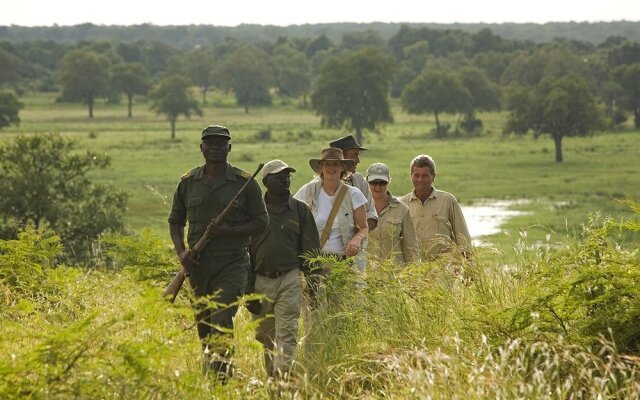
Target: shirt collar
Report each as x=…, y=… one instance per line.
x=433, y=195
x=229, y=173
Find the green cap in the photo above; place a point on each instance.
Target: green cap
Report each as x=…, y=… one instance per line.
x=216, y=130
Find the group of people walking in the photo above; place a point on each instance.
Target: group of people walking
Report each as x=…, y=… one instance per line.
x=265, y=244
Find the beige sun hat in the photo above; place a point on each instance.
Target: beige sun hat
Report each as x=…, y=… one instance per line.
x=330, y=154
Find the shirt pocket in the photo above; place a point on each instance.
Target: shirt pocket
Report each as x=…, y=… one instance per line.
x=392, y=226
x=444, y=226
x=194, y=212
x=238, y=214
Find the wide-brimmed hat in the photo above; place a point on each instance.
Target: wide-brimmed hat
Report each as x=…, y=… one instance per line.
x=275, y=166
x=330, y=154
x=346, y=143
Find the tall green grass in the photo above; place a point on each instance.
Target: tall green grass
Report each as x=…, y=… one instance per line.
x=555, y=324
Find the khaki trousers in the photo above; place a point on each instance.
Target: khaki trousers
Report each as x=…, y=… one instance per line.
x=279, y=314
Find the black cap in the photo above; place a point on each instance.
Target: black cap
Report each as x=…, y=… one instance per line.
x=216, y=130
x=346, y=143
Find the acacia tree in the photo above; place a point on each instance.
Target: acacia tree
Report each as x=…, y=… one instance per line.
x=9, y=108
x=353, y=91
x=84, y=75
x=171, y=97
x=436, y=92
x=44, y=183
x=247, y=71
x=558, y=107
x=130, y=79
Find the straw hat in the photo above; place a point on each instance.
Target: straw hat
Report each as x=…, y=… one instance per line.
x=330, y=154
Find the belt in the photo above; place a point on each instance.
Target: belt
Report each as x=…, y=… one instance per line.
x=271, y=275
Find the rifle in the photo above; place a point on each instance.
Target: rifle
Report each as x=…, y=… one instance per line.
x=171, y=292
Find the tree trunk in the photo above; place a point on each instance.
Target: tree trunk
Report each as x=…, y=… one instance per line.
x=636, y=117
x=557, y=138
x=90, y=104
x=304, y=100
x=437, y=124
x=359, y=135
x=173, y=128
x=246, y=109
x=204, y=95
x=130, y=97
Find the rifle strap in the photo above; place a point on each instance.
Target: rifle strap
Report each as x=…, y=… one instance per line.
x=342, y=191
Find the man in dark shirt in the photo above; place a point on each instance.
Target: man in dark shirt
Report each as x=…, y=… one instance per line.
x=276, y=261
x=219, y=275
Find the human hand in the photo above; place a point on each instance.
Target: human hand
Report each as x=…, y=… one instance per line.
x=188, y=261
x=253, y=306
x=353, y=247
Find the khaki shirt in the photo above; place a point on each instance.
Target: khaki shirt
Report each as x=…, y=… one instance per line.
x=438, y=222
x=358, y=181
x=395, y=236
x=291, y=233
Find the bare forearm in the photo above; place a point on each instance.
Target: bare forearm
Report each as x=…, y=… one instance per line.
x=177, y=237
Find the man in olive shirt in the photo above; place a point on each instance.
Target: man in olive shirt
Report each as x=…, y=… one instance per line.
x=276, y=261
x=436, y=214
x=219, y=274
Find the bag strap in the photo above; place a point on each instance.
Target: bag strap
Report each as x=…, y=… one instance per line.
x=342, y=191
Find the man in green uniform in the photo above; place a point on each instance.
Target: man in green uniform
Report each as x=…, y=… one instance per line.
x=219, y=274
x=276, y=261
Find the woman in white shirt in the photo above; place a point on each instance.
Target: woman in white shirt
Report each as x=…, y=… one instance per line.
x=349, y=228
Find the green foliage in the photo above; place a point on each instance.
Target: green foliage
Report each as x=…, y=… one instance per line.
x=628, y=77
x=84, y=75
x=589, y=293
x=248, y=72
x=23, y=261
x=558, y=107
x=199, y=65
x=147, y=256
x=292, y=70
x=131, y=79
x=437, y=92
x=45, y=183
x=9, y=108
x=416, y=331
x=172, y=98
x=353, y=91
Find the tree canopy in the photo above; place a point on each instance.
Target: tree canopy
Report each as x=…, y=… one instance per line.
x=628, y=77
x=131, y=79
x=172, y=98
x=248, y=72
x=353, y=91
x=44, y=183
x=436, y=92
x=84, y=75
x=9, y=109
x=558, y=107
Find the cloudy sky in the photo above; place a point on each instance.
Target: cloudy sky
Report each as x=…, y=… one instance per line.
x=290, y=12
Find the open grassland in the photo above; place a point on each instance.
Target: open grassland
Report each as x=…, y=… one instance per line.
x=147, y=163
x=534, y=318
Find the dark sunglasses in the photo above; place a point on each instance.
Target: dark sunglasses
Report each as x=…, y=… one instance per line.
x=378, y=183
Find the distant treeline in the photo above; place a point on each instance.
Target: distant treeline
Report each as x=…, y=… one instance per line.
x=188, y=36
